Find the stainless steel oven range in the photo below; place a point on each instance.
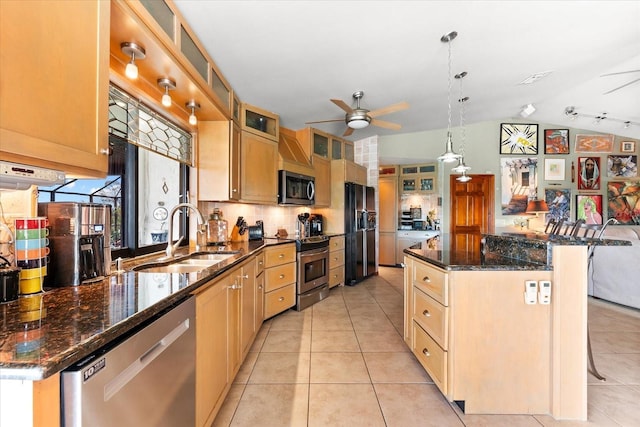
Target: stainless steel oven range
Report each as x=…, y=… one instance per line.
x=312, y=284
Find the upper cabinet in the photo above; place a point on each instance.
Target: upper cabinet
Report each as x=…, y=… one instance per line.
x=260, y=122
x=418, y=178
x=55, y=83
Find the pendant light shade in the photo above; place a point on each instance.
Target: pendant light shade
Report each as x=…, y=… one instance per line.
x=449, y=155
x=462, y=167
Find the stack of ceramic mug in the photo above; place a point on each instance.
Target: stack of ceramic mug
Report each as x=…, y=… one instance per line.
x=32, y=250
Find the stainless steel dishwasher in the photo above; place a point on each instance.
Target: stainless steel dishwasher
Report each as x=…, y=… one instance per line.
x=147, y=379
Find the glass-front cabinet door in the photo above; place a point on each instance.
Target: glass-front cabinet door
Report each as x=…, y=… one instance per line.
x=408, y=184
x=336, y=149
x=321, y=145
x=348, y=151
x=427, y=184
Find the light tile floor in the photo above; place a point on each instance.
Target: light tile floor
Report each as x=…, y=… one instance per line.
x=342, y=362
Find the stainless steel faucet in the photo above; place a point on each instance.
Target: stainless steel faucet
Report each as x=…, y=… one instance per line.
x=171, y=249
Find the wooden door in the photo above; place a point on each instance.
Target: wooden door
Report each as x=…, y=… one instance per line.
x=472, y=212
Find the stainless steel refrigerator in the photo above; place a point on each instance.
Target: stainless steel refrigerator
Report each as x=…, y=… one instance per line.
x=360, y=232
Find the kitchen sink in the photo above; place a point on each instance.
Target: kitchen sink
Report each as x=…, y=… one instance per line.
x=191, y=264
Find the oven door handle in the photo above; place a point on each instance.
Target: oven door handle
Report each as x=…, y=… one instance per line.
x=314, y=252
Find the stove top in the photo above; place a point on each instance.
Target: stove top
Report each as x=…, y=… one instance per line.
x=312, y=242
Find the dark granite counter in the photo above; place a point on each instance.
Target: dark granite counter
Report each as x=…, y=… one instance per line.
x=45, y=333
x=508, y=251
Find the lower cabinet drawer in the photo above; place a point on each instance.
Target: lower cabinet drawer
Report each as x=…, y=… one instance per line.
x=336, y=276
x=431, y=357
x=277, y=277
x=336, y=258
x=279, y=300
x=432, y=316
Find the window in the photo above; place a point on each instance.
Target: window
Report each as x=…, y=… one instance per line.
x=148, y=175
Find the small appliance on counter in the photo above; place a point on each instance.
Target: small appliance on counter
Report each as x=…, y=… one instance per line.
x=315, y=225
x=80, y=241
x=256, y=232
x=9, y=281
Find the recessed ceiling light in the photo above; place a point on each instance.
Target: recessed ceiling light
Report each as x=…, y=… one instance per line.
x=535, y=77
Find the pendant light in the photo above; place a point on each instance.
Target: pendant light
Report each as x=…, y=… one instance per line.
x=449, y=155
x=168, y=85
x=462, y=168
x=193, y=106
x=135, y=51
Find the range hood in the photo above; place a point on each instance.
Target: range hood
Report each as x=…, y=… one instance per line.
x=292, y=157
x=15, y=176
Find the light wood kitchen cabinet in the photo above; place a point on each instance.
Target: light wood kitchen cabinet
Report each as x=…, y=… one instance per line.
x=217, y=344
x=419, y=178
x=279, y=279
x=55, y=83
x=322, y=168
x=219, y=161
x=235, y=165
x=260, y=122
x=259, y=315
x=388, y=218
x=259, y=169
x=249, y=303
x=456, y=323
x=336, y=261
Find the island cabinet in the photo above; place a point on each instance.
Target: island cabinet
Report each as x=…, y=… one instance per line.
x=225, y=329
x=279, y=279
x=55, y=83
x=336, y=261
x=484, y=348
x=236, y=165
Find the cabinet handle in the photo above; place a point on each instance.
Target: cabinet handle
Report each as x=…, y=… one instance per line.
x=104, y=151
x=281, y=299
x=260, y=263
x=426, y=279
x=426, y=313
x=234, y=191
x=282, y=276
x=244, y=276
x=260, y=287
x=281, y=256
x=426, y=352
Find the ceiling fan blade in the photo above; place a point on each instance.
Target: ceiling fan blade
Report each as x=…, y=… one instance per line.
x=619, y=72
x=340, y=103
x=620, y=87
x=348, y=132
x=325, y=121
x=387, y=125
x=389, y=109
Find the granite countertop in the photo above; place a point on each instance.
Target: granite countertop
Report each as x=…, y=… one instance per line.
x=507, y=251
x=44, y=333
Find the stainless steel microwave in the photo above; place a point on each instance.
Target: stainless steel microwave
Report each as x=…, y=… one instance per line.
x=295, y=188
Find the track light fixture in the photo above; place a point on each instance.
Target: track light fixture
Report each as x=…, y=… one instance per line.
x=572, y=114
x=168, y=85
x=193, y=106
x=135, y=51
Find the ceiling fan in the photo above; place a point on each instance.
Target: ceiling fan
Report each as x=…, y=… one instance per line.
x=359, y=118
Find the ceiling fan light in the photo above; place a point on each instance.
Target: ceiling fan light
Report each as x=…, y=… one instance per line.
x=358, y=123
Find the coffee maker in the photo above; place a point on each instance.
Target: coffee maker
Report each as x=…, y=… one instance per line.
x=80, y=241
x=315, y=225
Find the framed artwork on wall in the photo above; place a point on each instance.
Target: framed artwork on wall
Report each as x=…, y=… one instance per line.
x=518, y=138
x=559, y=202
x=519, y=183
x=588, y=173
x=623, y=201
x=628, y=146
x=594, y=143
x=554, y=169
x=622, y=166
x=589, y=208
x=556, y=141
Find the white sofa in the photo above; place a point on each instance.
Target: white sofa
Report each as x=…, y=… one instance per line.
x=615, y=270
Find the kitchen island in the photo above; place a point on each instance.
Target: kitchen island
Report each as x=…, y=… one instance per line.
x=468, y=323
x=45, y=333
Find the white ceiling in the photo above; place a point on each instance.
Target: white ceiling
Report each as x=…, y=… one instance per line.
x=291, y=57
